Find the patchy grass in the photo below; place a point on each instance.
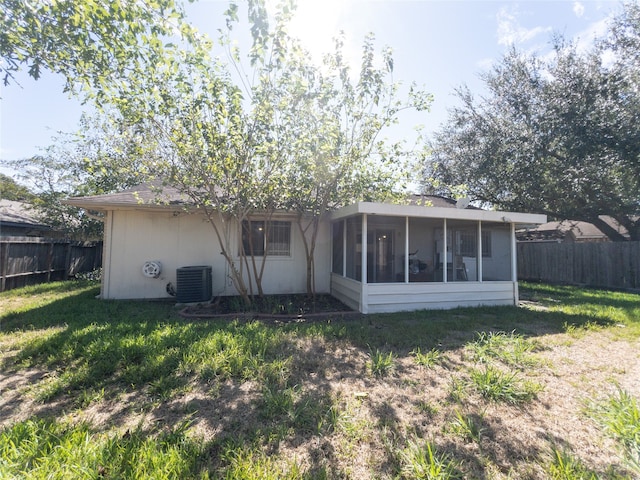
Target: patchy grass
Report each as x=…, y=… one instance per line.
x=619, y=417
x=424, y=462
x=564, y=466
x=381, y=364
x=50, y=449
x=499, y=386
x=510, y=348
x=428, y=359
x=138, y=392
x=467, y=426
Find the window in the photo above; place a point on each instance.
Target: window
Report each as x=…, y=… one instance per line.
x=273, y=237
x=466, y=243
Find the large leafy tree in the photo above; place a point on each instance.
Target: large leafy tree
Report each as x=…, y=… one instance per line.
x=52, y=185
x=291, y=135
x=285, y=135
x=558, y=136
x=337, y=153
x=102, y=157
x=316, y=130
x=96, y=46
x=101, y=50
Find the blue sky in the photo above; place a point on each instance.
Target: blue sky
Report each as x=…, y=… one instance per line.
x=437, y=44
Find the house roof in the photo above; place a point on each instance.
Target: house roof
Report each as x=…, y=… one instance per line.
x=431, y=206
x=18, y=214
x=156, y=195
x=577, y=230
x=447, y=212
x=150, y=195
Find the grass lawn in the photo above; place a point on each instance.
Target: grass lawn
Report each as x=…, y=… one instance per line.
x=118, y=389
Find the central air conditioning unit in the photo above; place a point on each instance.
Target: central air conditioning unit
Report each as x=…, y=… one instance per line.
x=194, y=284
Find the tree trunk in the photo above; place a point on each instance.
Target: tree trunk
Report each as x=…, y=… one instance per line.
x=608, y=230
x=634, y=232
x=236, y=275
x=309, y=250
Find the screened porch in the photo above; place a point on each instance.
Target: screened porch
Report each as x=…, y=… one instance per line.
x=403, y=257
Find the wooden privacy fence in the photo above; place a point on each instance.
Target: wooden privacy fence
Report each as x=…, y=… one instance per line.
x=602, y=264
x=31, y=260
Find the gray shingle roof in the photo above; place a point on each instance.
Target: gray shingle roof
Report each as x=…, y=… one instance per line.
x=17, y=213
x=143, y=194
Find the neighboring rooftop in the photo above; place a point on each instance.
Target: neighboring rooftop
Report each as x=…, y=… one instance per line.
x=570, y=231
x=17, y=218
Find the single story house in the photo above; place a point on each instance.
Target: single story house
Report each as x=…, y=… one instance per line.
x=374, y=257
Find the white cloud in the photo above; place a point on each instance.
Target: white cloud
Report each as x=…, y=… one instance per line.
x=578, y=9
x=510, y=31
x=585, y=39
x=486, y=63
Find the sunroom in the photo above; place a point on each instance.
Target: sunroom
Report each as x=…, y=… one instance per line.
x=389, y=258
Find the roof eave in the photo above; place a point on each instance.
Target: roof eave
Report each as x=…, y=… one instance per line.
x=101, y=206
x=372, y=208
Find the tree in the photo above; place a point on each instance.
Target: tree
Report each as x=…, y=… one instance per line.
x=52, y=184
x=287, y=135
x=311, y=140
x=102, y=50
x=104, y=156
x=11, y=190
x=559, y=136
x=97, y=46
x=336, y=154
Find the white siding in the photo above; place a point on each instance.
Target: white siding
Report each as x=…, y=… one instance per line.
x=416, y=296
x=346, y=290
x=396, y=297
x=136, y=236
x=498, y=265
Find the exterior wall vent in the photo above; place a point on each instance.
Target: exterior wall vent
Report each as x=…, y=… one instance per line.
x=194, y=284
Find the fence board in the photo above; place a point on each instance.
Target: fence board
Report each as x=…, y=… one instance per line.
x=602, y=264
x=31, y=260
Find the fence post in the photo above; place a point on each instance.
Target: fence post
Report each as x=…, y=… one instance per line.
x=67, y=261
x=4, y=265
x=49, y=261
